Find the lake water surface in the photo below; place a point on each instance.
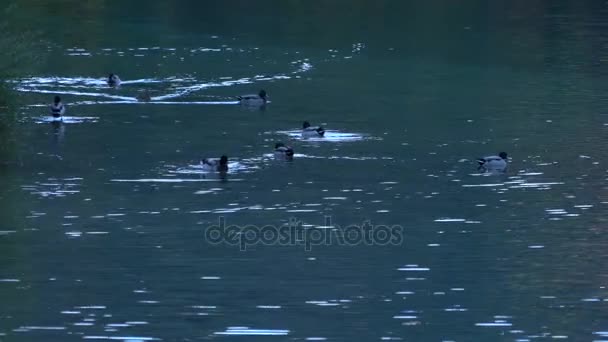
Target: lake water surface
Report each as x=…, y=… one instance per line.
x=107, y=220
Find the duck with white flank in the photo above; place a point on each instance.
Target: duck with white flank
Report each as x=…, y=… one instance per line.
x=220, y=165
x=282, y=151
x=493, y=163
x=253, y=99
x=57, y=108
x=309, y=131
x=113, y=80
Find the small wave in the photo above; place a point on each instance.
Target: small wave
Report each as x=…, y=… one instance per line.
x=122, y=338
x=53, y=187
x=302, y=155
x=42, y=91
x=329, y=136
x=66, y=119
x=249, y=331
x=197, y=169
x=85, y=103
x=58, y=85
x=167, y=180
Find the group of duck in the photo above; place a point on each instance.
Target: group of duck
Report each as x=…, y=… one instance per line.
x=488, y=164
x=492, y=164
x=281, y=150
x=57, y=108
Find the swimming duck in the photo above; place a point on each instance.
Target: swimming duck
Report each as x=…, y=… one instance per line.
x=113, y=80
x=282, y=151
x=308, y=131
x=253, y=100
x=57, y=108
x=493, y=163
x=220, y=165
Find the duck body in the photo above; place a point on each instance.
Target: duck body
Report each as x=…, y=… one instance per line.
x=57, y=108
x=113, y=80
x=309, y=132
x=253, y=99
x=493, y=163
x=282, y=151
x=213, y=165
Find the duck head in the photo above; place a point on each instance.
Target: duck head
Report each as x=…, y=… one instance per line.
x=224, y=160
x=262, y=94
x=503, y=155
x=306, y=124
x=223, y=166
x=57, y=99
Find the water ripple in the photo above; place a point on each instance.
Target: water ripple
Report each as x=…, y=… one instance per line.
x=62, y=85
x=329, y=136
x=66, y=119
x=244, y=166
x=122, y=338
x=54, y=188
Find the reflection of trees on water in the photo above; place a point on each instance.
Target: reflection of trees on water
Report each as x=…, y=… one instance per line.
x=469, y=31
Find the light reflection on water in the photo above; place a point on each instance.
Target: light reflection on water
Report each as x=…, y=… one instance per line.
x=329, y=136
x=243, y=166
x=67, y=119
x=178, y=87
x=464, y=230
x=248, y=331
x=54, y=187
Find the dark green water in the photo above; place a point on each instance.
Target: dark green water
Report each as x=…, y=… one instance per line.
x=106, y=222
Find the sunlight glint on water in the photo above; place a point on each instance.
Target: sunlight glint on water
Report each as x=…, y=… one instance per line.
x=382, y=229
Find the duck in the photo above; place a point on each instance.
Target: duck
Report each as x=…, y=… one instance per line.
x=309, y=131
x=282, y=151
x=113, y=80
x=493, y=163
x=253, y=99
x=220, y=165
x=57, y=108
